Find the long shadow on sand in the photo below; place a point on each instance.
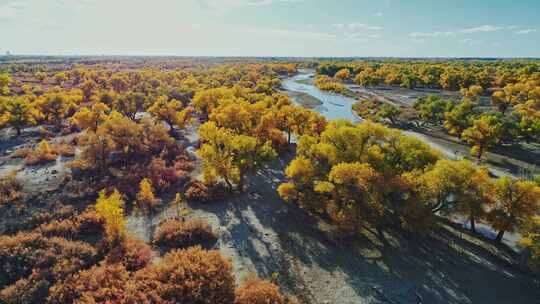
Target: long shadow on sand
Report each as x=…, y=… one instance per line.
x=279, y=238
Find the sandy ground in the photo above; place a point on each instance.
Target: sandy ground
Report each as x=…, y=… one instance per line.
x=260, y=233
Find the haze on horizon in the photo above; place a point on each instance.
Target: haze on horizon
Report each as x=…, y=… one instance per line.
x=300, y=28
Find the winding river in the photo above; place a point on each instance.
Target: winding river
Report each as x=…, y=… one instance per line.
x=335, y=106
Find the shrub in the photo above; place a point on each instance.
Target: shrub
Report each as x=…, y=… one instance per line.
x=43, y=153
x=193, y=275
x=173, y=233
x=21, y=152
x=133, y=253
x=25, y=252
x=85, y=224
x=198, y=191
x=163, y=176
x=64, y=149
x=256, y=291
x=10, y=188
x=32, y=289
x=100, y=284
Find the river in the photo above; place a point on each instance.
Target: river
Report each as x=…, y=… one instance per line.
x=335, y=106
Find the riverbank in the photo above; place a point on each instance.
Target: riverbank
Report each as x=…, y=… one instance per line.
x=501, y=161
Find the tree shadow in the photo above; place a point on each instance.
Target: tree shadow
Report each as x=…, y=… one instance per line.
x=273, y=237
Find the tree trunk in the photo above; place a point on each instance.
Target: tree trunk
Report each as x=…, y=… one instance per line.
x=480, y=152
x=18, y=129
x=500, y=236
x=241, y=183
x=473, y=224
x=289, y=137
x=228, y=184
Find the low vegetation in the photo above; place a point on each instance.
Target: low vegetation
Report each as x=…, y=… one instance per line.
x=146, y=131
x=174, y=233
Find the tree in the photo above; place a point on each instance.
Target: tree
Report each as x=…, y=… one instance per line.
x=145, y=198
x=60, y=78
x=499, y=100
x=366, y=78
x=230, y=156
x=55, y=107
x=432, y=108
x=171, y=112
x=531, y=241
x=376, y=110
x=130, y=104
x=516, y=201
x=390, y=112
x=350, y=173
x=343, y=74
x=17, y=113
x=5, y=80
x=483, y=134
x=473, y=92
x=88, y=88
x=110, y=209
x=459, y=118
x=205, y=101
x=299, y=121
x=91, y=118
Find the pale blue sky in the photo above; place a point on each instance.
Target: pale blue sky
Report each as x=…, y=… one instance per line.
x=432, y=28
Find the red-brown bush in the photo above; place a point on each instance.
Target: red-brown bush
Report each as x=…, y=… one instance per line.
x=163, y=176
x=174, y=233
x=193, y=275
x=57, y=257
x=43, y=153
x=82, y=225
x=100, y=284
x=133, y=253
x=10, y=188
x=256, y=291
x=32, y=289
x=198, y=191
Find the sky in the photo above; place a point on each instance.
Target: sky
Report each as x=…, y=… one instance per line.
x=299, y=28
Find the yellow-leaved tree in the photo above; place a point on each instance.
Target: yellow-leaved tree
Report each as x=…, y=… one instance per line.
x=516, y=201
x=146, y=199
x=110, y=209
x=91, y=118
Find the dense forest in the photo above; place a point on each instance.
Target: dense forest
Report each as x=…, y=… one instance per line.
x=88, y=145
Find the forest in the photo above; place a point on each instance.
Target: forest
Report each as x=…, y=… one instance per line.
x=205, y=180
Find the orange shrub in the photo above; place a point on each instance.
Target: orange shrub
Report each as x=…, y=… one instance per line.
x=64, y=149
x=133, y=253
x=193, y=275
x=32, y=289
x=43, y=153
x=173, y=233
x=100, y=284
x=21, y=152
x=198, y=191
x=10, y=188
x=256, y=291
x=22, y=253
x=83, y=225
